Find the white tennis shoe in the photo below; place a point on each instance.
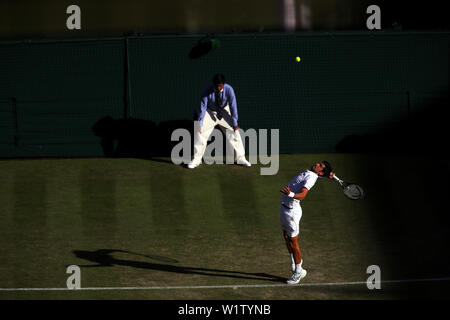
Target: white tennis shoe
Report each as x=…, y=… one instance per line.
x=244, y=162
x=193, y=164
x=296, y=277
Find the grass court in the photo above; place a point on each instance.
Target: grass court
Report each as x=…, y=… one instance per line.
x=213, y=232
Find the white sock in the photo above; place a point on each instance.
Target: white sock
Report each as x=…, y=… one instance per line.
x=292, y=263
x=298, y=267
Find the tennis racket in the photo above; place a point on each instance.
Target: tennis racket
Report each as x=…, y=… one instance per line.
x=351, y=190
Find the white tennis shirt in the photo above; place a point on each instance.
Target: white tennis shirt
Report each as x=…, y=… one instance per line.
x=307, y=179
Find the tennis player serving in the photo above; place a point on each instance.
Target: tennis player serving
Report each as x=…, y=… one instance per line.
x=291, y=213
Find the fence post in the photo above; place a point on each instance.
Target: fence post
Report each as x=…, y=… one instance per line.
x=16, y=121
x=127, y=88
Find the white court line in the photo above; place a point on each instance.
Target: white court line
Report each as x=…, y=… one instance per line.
x=227, y=286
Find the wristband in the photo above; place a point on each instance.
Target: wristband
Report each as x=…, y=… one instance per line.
x=291, y=194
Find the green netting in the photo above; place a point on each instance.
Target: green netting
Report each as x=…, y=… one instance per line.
x=54, y=92
x=346, y=84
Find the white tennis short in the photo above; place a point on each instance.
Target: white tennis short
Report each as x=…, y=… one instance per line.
x=290, y=220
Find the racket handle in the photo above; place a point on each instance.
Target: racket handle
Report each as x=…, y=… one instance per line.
x=337, y=179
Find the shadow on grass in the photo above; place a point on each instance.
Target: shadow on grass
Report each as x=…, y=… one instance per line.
x=104, y=258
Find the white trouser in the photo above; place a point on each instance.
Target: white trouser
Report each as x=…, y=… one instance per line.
x=201, y=135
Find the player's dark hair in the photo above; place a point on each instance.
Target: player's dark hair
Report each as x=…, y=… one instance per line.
x=327, y=169
x=218, y=79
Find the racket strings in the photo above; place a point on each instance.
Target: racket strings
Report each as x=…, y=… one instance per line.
x=354, y=192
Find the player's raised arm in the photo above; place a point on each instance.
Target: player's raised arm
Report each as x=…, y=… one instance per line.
x=299, y=196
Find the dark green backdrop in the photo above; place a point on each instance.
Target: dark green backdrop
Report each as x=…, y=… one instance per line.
x=347, y=83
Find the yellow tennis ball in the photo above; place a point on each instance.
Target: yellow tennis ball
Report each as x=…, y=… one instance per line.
x=298, y=59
